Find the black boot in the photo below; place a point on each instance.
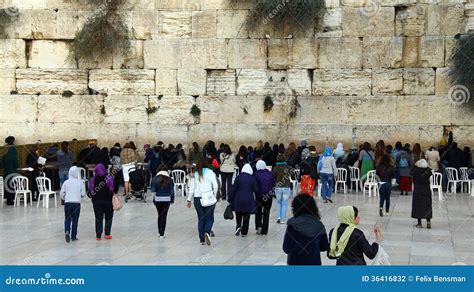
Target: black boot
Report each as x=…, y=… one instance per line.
x=380, y=212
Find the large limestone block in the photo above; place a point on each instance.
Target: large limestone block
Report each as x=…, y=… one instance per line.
x=192, y=5
x=320, y=110
x=251, y=81
x=69, y=22
x=192, y=81
x=357, y=23
x=175, y=110
x=247, y=53
x=221, y=82
x=214, y=107
x=382, y=52
x=18, y=108
x=204, y=24
x=461, y=115
x=418, y=81
x=204, y=54
x=299, y=81
x=123, y=82
x=19, y=26
x=74, y=109
x=96, y=62
x=411, y=20
x=51, y=55
x=342, y=82
x=372, y=110
x=432, y=52
x=133, y=59
x=175, y=24
x=12, y=54
x=464, y=134
x=303, y=53
x=387, y=82
x=43, y=23
x=30, y=4
x=7, y=81
x=399, y=3
x=332, y=22
x=339, y=53
x=144, y=24
x=42, y=81
x=445, y=19
x=166, y=82
x=231, y=24
x=278, y=54
x=125, y=108
x=162, y=54
x=442, y=84
x=416, y=110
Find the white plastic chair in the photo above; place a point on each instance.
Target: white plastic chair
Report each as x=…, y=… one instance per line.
x=82, y=173
x=341, y=178
x=236, y=173
x=453, y=179
x=2, y=194
x=371, y=183
x=464, y=171
x=179, y=179
x=294, y=179
x=354, y=177
x=21, y=185
x=436, y=184
x=319, y=188
x=44, y=188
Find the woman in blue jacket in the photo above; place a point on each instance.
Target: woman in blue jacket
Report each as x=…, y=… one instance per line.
x=305, y=236
x=242, y=199
x=163, y=188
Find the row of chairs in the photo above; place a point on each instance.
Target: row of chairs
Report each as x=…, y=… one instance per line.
x=23, y=192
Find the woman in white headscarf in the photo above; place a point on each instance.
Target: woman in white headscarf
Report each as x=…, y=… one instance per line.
x=242, y=199
x=338, y=152
x=422, y=203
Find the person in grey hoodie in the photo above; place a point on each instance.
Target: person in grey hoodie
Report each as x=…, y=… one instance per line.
x=72, y=191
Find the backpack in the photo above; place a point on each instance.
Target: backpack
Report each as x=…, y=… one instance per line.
x=403, y=162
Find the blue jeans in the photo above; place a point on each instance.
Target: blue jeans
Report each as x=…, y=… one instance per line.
x=327, y=182
x=63, y=176
x=71, y=211
x=384, y=191
x=205, y=218
x=282, y=196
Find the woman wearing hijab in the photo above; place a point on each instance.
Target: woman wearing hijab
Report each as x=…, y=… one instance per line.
x=282, y=173
x=163, y=188
x=242, y=199
x=10, y=166
x=348, y=243
x=305, y=236
x=265, y=182
x=101, y=188
x=327, y=170
x=339, y=152
x=422, y=202
x=72, y=191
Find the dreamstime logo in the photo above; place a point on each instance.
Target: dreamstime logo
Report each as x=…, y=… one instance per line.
x=12, y=11
x=459, y=94
x=275, y=11
x=370, y=8
x=9, y=182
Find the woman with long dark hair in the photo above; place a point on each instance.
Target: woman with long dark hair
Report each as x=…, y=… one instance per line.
x=241, y=159
x=305, y=235
x=163, y=188
x=101, y=189
x=195, y=153
x=385, y=171
x=366, y=160
x=416, y=153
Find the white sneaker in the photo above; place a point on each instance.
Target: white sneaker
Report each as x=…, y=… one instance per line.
x=162, y=236
x=237, y=231
x=207, y=238
x=282, y=222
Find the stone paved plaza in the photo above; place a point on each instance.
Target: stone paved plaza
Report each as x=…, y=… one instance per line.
x=32, y=236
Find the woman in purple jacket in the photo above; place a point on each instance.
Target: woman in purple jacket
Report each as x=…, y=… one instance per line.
x=242, y=199
x=101, y=188
x=265, y=182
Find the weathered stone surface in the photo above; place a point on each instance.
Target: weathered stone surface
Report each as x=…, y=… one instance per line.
x=74, y=109
x=278, y=54
x=175, y=110
x=42, y=81
x=231, y=24
x=133, y=60
x=432, y=52
x=332, y=22
x=303, y=53
x=382, y=52
x=221, y=82
x=251, y=81
x=175, y=24
x=50, y=55
x=166, y=82
x=12, y=54
x=96, y=62
x=445, y=19
x=417, y=110
x=342, y=82
x=338, y=53
x=144, y=24
x=387, y=82
x=442, y=82
x=204, y=54
x=299, y=81
x=320, y=110
x=396, y=2
x=123, y=82
x=43, y=24
x=192, y=81
x=162, y=54
x=204, y=24
x=247, y=53
x=358, y=23
x=7, y=81
x=69, y=22
x=125, y=108
x=418, y=81
x=18, y=108
x=411, y=20
x=179, y=4
x=373, y=110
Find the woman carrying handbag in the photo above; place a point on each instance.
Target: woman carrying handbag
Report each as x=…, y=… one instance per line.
x=203, y=191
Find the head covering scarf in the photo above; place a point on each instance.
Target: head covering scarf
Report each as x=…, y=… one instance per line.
x=305, y=153
x=327, y=151
x=422, y=163
x=73, y=172
x=345, y=215
x=261, y=165
x=163, y=173
x=247, y=169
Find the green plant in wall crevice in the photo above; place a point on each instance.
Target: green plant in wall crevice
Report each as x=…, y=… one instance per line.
x=195, y=111
x=267, y=103
x=461, y=72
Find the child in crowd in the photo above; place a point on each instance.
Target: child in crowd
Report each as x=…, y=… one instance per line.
x=72, y=191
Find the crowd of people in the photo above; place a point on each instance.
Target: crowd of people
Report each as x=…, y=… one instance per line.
x=264, y=174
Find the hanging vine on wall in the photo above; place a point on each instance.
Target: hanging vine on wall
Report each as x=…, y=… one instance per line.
x=267, y=103
x=298, y=15
x=7, y=17
x=461, y=73
x=104, y=33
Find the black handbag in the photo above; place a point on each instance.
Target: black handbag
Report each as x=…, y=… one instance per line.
x=228, y=214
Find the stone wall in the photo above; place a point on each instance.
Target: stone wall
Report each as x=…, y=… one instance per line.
x=377, y=71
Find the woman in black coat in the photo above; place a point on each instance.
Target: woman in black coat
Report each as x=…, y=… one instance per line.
x=422, y=202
